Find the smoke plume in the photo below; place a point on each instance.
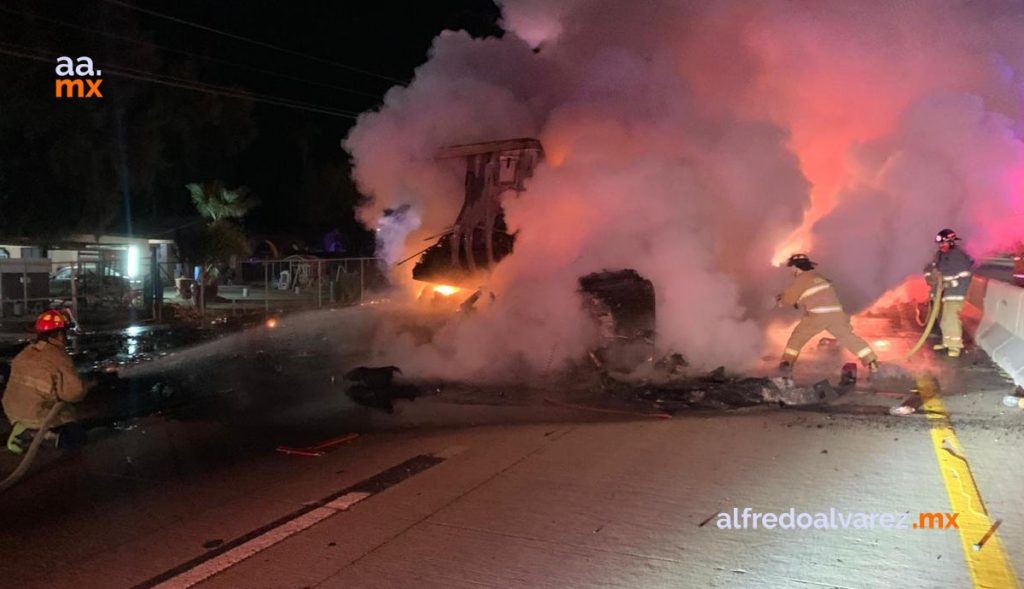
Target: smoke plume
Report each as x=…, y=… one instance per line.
x=696, y=142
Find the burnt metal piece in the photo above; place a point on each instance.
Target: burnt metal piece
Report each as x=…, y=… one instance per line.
x=848, y=375
x=824, y=392
x=479, y=238
x=622, y=304
x=375, y=377
x=712, y=393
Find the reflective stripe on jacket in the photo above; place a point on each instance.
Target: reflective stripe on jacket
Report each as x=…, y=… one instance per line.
x=955, y=266
x=813, y=294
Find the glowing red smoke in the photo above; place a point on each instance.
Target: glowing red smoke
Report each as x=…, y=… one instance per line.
x=699, y=141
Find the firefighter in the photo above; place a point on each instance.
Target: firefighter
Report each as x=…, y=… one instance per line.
x=815, y=296
x=41, y=376
x=952, y=267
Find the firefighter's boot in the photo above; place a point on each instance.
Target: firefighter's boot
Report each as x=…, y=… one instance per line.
x=19, y=439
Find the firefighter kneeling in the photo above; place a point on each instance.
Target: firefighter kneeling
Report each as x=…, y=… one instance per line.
x=814, y=295
x=43, y=375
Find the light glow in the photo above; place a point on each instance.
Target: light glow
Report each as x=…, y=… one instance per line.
x=133, y=262
x=445, y=290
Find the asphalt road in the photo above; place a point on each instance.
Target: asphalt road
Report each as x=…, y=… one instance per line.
x=452, y=492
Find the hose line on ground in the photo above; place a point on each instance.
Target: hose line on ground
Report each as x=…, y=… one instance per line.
x=936, y=303
x=33, y=448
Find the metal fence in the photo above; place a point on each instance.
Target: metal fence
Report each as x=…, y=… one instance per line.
x=292, y=283
x=102, y=290
x=24, y=286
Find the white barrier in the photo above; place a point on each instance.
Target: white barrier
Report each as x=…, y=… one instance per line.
x=1001, y=330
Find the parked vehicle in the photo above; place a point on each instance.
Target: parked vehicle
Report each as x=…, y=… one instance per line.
x=112, y=287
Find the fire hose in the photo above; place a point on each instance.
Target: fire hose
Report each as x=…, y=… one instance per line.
x=13, y=478
x=932, y=315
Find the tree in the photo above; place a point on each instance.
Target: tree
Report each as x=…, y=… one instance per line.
x=215, y=202
x=213, y=245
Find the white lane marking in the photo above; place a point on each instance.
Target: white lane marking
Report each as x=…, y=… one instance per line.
x=260, y=543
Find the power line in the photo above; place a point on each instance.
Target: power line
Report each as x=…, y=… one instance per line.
x=253, y=41
x=189, y=85
x=127, y=39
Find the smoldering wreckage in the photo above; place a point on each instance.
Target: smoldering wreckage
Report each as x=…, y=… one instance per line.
x=625, y=370
x=625, y=366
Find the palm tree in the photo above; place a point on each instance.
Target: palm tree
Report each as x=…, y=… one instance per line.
x=222, y=237
x=215, y=202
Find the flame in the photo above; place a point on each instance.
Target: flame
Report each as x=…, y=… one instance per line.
x=445, y=290
x=271, y=323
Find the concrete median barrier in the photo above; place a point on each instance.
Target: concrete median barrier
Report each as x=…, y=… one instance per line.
x=999, y=309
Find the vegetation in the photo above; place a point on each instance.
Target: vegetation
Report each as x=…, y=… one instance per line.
x=213, y=244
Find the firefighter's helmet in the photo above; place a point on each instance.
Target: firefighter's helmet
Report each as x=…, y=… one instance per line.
x=51, y=321
x=946, y=236
x=801, y=261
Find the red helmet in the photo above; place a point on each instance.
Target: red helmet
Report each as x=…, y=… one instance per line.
x=51, y=321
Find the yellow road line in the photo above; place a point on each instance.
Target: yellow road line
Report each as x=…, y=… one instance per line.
x=990, y=567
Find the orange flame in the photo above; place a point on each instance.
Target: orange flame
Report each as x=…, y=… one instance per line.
x=445, y=290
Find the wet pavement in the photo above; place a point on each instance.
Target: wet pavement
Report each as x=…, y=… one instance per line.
x=183, y=460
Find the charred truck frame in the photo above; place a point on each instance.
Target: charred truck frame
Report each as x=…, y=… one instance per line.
x=620, y=300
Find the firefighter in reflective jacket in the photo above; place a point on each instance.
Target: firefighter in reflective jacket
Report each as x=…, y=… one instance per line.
x=41, y=376
x=952, y=266
x=814, y=295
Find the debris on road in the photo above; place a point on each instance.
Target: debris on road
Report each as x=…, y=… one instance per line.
x=988, y=535
x=376, y=377
x=375, y=387
x=708, y=519
x=902, y=410
x=718, y=390
x=1016, y=399
x=317, y=449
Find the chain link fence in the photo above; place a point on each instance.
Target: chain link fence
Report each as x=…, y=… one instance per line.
x=103, y=290
x=294, y=283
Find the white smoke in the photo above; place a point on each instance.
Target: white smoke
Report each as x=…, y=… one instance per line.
x=393, y=229
x=688, y=140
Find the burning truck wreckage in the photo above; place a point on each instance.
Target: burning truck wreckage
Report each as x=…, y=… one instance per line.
x=625, y=368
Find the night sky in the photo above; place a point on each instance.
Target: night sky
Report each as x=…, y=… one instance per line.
x=82, y=164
